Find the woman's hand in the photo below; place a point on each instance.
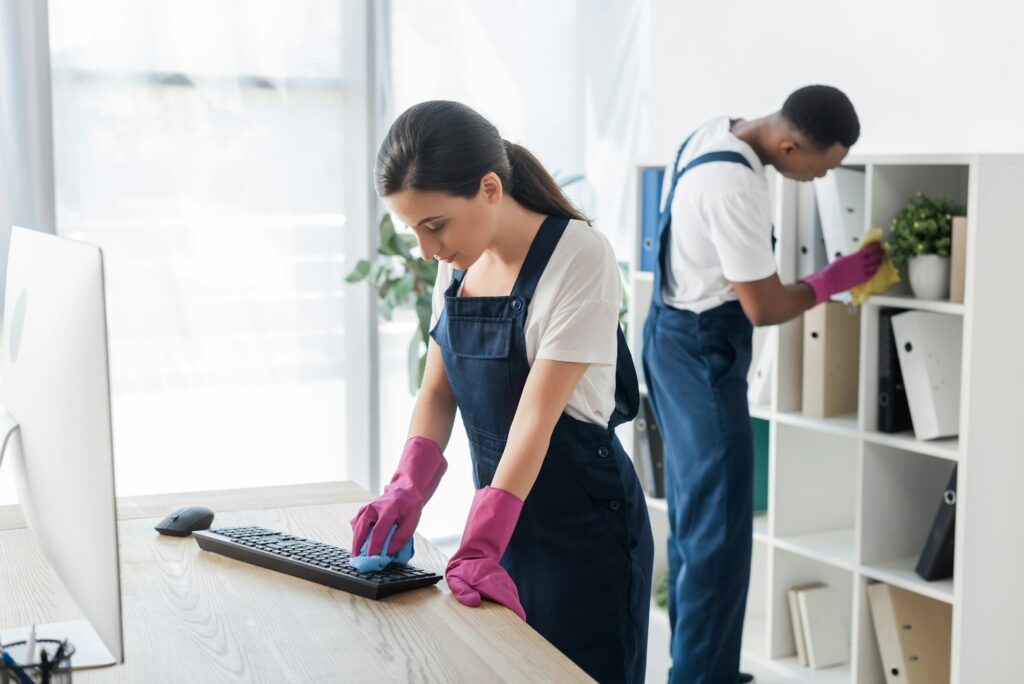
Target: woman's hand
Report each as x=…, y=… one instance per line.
x=474, y=571
x=415, y=481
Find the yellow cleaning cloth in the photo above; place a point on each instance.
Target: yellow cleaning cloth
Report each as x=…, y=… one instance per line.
x=885, y=277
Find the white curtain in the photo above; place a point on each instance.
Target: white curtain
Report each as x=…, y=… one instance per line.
x=26, y=151
x=616, y=137
x=219, y=154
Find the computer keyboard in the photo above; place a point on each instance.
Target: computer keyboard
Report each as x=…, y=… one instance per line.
x=311, y=560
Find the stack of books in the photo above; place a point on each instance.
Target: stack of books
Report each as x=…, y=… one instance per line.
x=819, y=630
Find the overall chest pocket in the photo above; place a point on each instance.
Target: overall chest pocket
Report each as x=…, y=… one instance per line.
x=475, y=338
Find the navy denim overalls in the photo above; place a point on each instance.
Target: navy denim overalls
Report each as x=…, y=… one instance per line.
x=696, y=370
x=582, y=552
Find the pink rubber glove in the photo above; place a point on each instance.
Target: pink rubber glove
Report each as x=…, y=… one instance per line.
x=846, y=272
x=474, y=570
x=415, y=481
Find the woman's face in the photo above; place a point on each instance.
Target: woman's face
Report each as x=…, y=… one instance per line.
x=449, y=228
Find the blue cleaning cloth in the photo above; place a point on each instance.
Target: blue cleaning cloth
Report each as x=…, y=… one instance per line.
x=364, y=563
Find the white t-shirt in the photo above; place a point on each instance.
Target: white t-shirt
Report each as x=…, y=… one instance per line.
x=573, y=316
x=721, y=223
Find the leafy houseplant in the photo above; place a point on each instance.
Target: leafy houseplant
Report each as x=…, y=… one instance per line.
x=400, y=277
x=924, y=226
x=922, y=237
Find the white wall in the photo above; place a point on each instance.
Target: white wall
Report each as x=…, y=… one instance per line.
x=924, y=76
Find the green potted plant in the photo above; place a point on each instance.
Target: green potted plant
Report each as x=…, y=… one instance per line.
x=400, y=278
x=921, y=236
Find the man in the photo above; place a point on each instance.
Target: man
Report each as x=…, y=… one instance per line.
x=715, y=278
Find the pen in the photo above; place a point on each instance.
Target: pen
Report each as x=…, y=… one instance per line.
x=30, y=646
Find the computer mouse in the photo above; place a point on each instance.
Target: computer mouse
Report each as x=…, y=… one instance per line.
x=185, y=521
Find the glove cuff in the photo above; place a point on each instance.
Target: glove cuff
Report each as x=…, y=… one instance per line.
x=821, y=286
x=420, y=468
x=492, y=520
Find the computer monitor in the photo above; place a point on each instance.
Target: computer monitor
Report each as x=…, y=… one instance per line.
x=57, y=433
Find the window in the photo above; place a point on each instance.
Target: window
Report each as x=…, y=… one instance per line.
x=216, y=152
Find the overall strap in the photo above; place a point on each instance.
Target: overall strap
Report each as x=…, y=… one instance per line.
x=456, y=281
x=665, y=217
x=543, y=246
x=721, y=156
x=677, y=173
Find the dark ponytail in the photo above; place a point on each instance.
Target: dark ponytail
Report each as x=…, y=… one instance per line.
x=534, y=188
x=444, y=146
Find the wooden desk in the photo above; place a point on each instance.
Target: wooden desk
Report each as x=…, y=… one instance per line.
x=190, y=615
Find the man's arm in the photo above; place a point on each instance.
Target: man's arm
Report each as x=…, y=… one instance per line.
x=768, y=301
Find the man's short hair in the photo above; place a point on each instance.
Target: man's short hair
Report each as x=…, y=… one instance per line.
x=824, y=114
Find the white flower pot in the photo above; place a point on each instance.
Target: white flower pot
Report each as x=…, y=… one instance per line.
x=929, y=276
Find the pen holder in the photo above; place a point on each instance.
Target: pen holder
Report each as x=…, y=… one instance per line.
x=35, y=672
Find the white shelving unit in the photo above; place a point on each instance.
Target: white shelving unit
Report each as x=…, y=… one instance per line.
x=849, y=505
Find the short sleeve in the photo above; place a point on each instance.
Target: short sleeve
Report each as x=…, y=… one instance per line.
x=584, y=315
x=741, y=231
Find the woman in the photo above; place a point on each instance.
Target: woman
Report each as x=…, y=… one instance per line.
x=526, y=345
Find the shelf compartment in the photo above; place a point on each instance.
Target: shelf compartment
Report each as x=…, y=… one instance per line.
x=902, y=492
x=815, y=482
x=894, y=185
x=870, y=667
x=947, y=447
x=790, y=570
